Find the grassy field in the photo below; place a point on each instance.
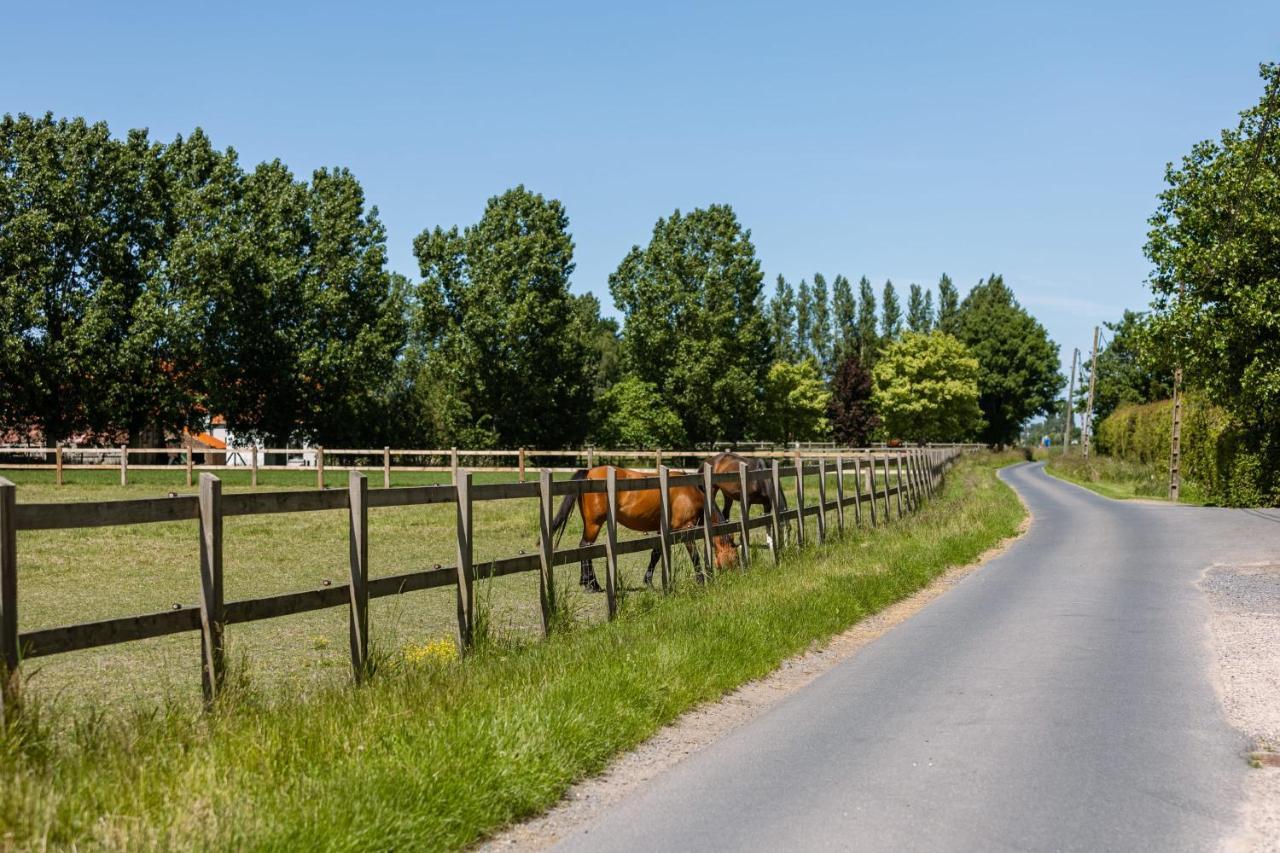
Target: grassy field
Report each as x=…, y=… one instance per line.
x=433, y=752
x=1116, y=478
x=68, y=576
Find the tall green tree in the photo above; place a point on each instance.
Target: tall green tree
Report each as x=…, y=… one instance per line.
x=919, y=309
x=804, y=319
x=1214, y=246
x=844, y=312
x=1130, y=369
x=926, y=388
x=507, y=339
x=782, y=321
x=796, y=401
x=1018, y=377
x=868, y=337
x=948, y=304
x=820, y=332
x=605, y=343
x=633, y=414
x=694, y=320
x=890, y=314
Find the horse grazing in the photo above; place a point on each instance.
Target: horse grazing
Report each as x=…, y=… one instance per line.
x=758, y=491
x=640, y=510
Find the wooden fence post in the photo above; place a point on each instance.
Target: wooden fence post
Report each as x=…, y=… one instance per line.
x=522, y=464
x=657, y=458
x=840, y=494
x=466, y=595
x=776, y=539
x=871, y=488
x=358, y=536
x=10, y=683
x=124, y=465
x=897, y=462
x=745, y=511
x=888, y=513
x=212, y=608
x=453, y=463
x=708, y=520
x=319, y=467
x=386, y=467
x=546, y=542
x=822, y=499
x=57, y=458
x=611, y=542
x=857, y=491
x=253, y=466
x=591, y=457
x=190, y=467
x=664, y=525
x=799, y=500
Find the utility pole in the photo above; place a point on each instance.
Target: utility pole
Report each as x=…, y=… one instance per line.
x=1093, y=375
x=1071, y=388
x=1175, y=434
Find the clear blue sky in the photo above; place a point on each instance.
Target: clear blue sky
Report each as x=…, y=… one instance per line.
x=893, y=140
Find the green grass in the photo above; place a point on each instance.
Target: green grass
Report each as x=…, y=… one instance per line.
x=436, y=755
x=1117, y=478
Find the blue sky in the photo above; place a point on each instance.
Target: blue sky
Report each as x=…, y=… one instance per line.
x=888, y=140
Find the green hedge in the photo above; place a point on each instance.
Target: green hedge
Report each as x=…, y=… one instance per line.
x=1216, y=454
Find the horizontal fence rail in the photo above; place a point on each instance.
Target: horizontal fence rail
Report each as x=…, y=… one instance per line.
x=884, y=483
x=388, y=460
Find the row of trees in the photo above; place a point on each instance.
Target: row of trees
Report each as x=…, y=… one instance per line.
x=147, y=286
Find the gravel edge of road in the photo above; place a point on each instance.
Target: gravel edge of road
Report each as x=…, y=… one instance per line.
x=699, y=728
x=1244, y=622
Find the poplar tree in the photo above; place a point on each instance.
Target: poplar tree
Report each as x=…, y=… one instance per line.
x=919, y=311
x=844, y=309
x=804, y=320
x=868, y=337
x=820, y=331
x=948, y=304
x=782, y=320
x=891, y=314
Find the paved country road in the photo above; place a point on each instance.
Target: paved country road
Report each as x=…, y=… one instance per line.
x=1060, y=698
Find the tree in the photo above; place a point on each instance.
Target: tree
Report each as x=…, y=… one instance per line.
x=926, y=388
x=1215, y=249
x=820, y=331
x=919, y=309
x=795, y=404
x=633, y=415
x=852, y=413
x=1128, y=371
x=844, y=309
x=868, y=338
x=782, y=321
x=1018, y=376
x=507, y=339
x=804, y=320
x=605, y=343
x=694, y=321
x=891, y=314
x=948, y=305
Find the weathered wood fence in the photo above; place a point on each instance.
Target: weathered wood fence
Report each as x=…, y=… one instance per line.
x=387, y=460
x=899, y=479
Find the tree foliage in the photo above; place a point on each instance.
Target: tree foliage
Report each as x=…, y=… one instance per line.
x=1215, y=249
x=926, y=388
x=796, y=401
x=820, y=328
x=844, y=315
x=632, y=414
x=890, y=314
x=868, y=337
x=500, y=327
x=948, y=305
x=919, y=309
x=852, y=412
x=695, y=326
x=1128, y=371
x=1018, y=376
x=782, y=321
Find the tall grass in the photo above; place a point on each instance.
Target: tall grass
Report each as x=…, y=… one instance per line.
x=435, y=752
x=1121, y=478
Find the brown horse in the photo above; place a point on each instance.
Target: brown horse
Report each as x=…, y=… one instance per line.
x=758, y=491
x=640, y=510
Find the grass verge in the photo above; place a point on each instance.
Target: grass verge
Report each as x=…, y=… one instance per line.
x=434, y=753
x=1119, y=479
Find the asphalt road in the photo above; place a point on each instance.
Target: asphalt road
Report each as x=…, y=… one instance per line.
x=1058, y=699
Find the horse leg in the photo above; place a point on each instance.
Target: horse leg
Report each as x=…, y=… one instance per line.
x=697, y=562
x=728, y=503
x=653, y=561
x=588, y=576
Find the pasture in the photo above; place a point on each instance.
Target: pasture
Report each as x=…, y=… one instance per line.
x=70, y=576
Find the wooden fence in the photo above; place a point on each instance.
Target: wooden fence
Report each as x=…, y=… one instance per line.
x=387, y=460
x=915, y=473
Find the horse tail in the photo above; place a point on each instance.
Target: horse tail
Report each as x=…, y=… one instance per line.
x=561, y=520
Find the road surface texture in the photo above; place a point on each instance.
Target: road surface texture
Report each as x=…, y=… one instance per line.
x=1061, y=698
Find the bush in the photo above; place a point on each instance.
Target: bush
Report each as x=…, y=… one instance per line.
x=1230, y=466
